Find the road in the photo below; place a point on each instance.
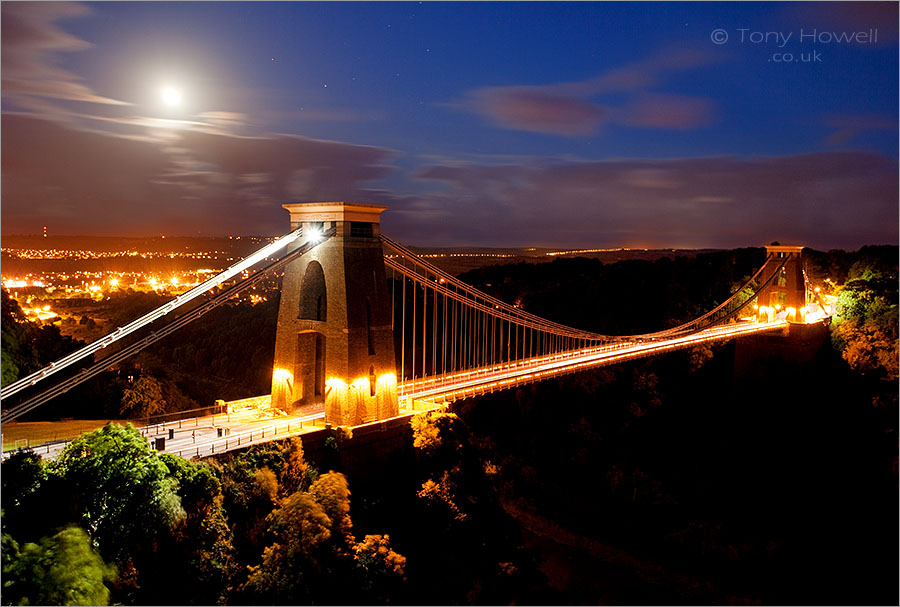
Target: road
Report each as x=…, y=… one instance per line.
x=454, y=386
x=203, y=436
x=200, y=436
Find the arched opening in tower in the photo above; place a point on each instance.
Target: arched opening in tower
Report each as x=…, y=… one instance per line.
x=313, y=295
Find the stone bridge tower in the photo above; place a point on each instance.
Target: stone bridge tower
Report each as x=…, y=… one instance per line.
x=334, y=345
x=788, y=289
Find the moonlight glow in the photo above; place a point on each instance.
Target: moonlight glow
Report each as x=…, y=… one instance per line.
x=171, y=96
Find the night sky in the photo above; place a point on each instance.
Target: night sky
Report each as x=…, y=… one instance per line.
x=495, y=124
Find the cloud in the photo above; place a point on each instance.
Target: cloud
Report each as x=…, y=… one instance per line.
x=225, y=120
x=652, y=110
x=88, y=182
x=572, y=108
x=848, y=17
x=95, y=170
x=199, y=182
x=652, y=178
x=823, y=200
x=537, y=109
x=31, y=41
x=849, y=127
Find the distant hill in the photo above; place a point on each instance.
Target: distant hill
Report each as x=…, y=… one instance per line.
x=155, y=244
x=454, y=260
x=459, y=260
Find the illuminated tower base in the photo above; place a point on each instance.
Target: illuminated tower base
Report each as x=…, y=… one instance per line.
x=334, y=344
x=788, y=289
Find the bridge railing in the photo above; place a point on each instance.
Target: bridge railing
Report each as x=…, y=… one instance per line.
x=241, y=440
x=447, y=389
x=254, y=402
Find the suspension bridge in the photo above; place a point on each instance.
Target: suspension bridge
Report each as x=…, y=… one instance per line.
x=369, y=331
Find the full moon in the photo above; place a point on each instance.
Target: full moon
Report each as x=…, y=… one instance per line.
x=171, y=96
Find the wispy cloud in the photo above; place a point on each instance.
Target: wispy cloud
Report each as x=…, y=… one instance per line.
x=581, y=108
x=32, y=41
x=654, y=110
x=94, y=182
x=532, y=108
x=848, y=127
x=823, y=200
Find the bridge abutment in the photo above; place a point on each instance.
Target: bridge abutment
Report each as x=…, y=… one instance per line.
x=793, y=348
x=334, y=345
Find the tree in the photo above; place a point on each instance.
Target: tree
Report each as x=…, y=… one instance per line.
x=865, y=328
x=18, y=357
x=144, y=399
x=27, y=345
x=460, y=506
x=442, y=439
x=250, y=493
x=200, y=554
x=28, y=514
x=312, y=556
x=380, y=570
x=296, y=473
x=23, y=473
x=332, y=493
x=119, y=490
x=289, y=569
x=438, y=433
x=63, y=569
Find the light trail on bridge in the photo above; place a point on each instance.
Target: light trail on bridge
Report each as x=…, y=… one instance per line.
x=455, y=342
x=450, y=387
x=446, y=327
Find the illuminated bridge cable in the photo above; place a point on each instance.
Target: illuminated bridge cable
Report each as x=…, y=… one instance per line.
x=469, y=325
x=148, y=318
x=815, y=294
x=474, y=304
x=405, y=254
x=474, y=334
x=728, y=309
x=134, y=348
x=724, y=311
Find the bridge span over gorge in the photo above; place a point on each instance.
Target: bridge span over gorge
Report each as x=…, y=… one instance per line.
x=368, y=331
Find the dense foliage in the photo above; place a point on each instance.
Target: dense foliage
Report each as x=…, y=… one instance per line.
x=63, y=569
x=748, y=472
x=112, y=520
x=225, y=354
x=865, y=327
x=27, y=346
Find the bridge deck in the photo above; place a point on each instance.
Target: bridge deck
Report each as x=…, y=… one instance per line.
x=199, y=437
x=454, y=386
